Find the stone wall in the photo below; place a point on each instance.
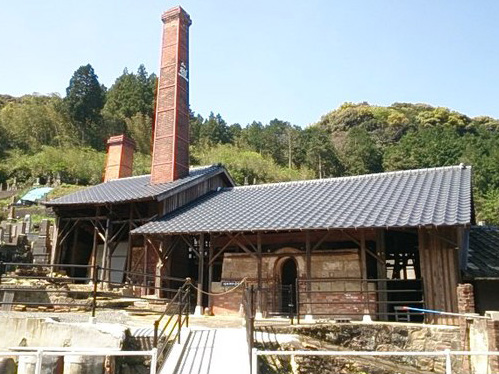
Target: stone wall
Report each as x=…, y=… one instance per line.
x=373, y=337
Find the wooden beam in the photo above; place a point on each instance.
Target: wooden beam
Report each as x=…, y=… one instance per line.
x=129, y=247
x=105, y=256
x=210, y=275
x=69, y=231
x=318, y=244
x=190, y=245
x=356, y=241
x=93, y=259
x=308, y=270
x=259, y=306
x=199, y=304
x=243, y=247
x=54, y=251
x=224, y=248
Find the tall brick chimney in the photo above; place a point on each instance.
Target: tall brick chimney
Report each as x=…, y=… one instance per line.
x=170, y=157
x=119, y=161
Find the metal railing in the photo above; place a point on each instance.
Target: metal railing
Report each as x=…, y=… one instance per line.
x=40, y=353
x=87, y=299
x=447, y=354
x=383, y=299
x=249, y=317
x=168, y=327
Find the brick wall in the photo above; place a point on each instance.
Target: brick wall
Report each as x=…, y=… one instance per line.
x=170, y=158
x=348, y=297
x=119, y=159
x=226, y=303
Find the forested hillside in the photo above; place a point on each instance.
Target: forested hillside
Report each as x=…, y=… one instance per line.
x=52, y=137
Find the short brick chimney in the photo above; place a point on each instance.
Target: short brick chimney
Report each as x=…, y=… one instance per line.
x=119, y=161
x=170, y=158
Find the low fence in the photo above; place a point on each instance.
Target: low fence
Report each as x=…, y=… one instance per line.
x=51, y=352
x=168, y=326
x=249, y=317
x=447, y=354
x=58, y=291
x=382, y=299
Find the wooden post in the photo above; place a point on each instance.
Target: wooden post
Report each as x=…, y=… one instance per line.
x=93, y=256
x=159, y=267
x=199, y=304
x=259, y=305
x=54, y=251
x=363, y=267
x=210, y=275
x=308, y=271
x=105, y=264
x=381, y=274
x=144, y=268
x=129, y=250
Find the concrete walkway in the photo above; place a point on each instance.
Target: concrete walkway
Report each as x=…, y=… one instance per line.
x=215, y=351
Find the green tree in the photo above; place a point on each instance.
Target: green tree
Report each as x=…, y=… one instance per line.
x=362, y=155
x=34, y=121
x=214, y=130
x=85, y=98
x=131, y=94
x=247, y=166
x=425, y=148
x=320, y=154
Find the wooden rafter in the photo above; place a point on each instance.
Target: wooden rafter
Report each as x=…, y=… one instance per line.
x=223, y=248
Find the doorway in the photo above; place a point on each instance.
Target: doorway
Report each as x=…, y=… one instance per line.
x=289, y=273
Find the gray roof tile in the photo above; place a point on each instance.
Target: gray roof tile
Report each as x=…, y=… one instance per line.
x=483, y=252
x=132, y=189
x=439, y=196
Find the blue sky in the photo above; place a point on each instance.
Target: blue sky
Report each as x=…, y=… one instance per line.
x=259, y=60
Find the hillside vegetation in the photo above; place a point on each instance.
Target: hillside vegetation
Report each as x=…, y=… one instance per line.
x=47, y=136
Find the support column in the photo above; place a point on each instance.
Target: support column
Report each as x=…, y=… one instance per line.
x=259, y=304
x=93, y=256
x=105, y=257
x=54, y=251
x=199, y=305
x=381, y=274
x=210, y=276
x=308, y=274
x=364, y=284
x=159, y=271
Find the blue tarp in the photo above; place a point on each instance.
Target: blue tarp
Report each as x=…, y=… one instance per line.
x=35, y=194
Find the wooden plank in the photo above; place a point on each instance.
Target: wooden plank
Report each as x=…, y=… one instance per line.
x=381, y=274
x=425, y=265
x=308, y=270
x=200, y=273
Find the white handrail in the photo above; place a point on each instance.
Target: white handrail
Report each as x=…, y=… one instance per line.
x=46, y=351
x=446, y=353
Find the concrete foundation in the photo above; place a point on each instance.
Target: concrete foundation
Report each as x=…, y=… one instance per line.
x=27, y=333
x=36, y=332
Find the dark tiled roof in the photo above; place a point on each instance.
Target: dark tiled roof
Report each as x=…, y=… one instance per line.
x=133, y=189
x=440, y=196
x=483, y=252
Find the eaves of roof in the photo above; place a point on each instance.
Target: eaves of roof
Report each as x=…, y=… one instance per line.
x=412, y=198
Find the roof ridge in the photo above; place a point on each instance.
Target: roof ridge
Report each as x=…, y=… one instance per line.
x=193, y=168
x=363, y=176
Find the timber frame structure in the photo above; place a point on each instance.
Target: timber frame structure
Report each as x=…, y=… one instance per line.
x=93, y=223
x=437, y=267
x=347, y=249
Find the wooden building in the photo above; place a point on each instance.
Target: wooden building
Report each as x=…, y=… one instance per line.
x=350, y=246
x=333, y=247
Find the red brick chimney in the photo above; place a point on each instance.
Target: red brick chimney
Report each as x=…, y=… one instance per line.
x=170, y=157
x=119, y=161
